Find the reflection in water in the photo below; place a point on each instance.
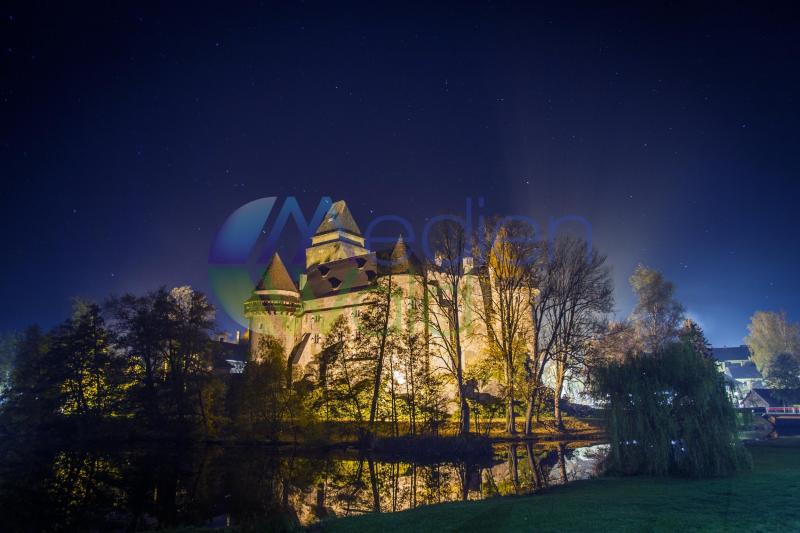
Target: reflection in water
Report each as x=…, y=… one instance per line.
x=260, y=488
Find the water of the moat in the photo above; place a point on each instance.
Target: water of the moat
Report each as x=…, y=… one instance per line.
x=261, y=487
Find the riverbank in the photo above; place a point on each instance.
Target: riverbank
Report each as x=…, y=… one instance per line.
x=764, y=499
x=337, y=435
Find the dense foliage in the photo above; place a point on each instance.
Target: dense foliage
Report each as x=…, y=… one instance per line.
x=771, y=337
x=141, y=366
x=669, y=412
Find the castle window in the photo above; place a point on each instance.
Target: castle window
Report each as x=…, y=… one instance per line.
x=324, y=270
x=335, y=282
x=371, y=275
x=316, y=338
x=360, y=261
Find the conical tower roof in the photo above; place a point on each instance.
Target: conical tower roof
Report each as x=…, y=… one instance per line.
x=338, y=218
x=276, y=277
x=399, y=256
x=399, y=259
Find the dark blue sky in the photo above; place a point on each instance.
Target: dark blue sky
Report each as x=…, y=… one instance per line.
x=129, y=133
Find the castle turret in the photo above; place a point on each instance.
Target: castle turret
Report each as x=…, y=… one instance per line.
x=338, y=237
x=273, y=306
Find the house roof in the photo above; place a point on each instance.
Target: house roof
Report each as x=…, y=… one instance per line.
x=338, y=218
x=746, y=371
x=276, y=277
x=734, y=353
x=341, y=276
x=778, y=397
x=224, y=351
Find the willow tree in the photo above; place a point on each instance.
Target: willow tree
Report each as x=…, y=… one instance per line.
x=668, y=412
x=504, y=253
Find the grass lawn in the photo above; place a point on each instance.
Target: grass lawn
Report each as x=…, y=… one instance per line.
x=766, y=499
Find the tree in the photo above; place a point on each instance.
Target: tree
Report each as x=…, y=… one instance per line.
x=93, y=378
x=412, y=363
x=784, y=372
x=346, y=377
x=191, y=319
x=141, y=328
x=375, y=331
x=657, y=314
x=692, y=334
x=617, y=342
x=32, y=401
x=504, y=255
x=546, y=326
x=669, y=413
x=584, y=297
x=770, y=334
x=165, y=336
x=8, y=348
x=264, y=390
x=69, y=375
x=571, y=295
x=444, y=288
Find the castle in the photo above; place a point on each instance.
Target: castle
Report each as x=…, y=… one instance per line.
x=339, y=270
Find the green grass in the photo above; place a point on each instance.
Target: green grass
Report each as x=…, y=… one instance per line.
x=766, y=499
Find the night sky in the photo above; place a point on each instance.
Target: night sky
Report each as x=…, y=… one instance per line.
x=129, y=133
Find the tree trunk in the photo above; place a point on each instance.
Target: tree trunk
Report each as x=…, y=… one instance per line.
x=512, y=456
x=533, y=464
x=529, y=412
x=511, y=425
x=557, y=399
x=373, y=481
x=395, y=427
x=376, y=389
x=562, y=462
x=463, y=427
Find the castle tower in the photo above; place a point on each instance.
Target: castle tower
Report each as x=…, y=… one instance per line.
x=272, y=309
x=338, y=237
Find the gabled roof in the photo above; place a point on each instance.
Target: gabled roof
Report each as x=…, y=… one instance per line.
x=778, y=397
x=338, y=218
x=276, y=277
x=746, y=371
x=735, y=353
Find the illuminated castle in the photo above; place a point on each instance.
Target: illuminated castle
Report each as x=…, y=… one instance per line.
x=339, y=269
